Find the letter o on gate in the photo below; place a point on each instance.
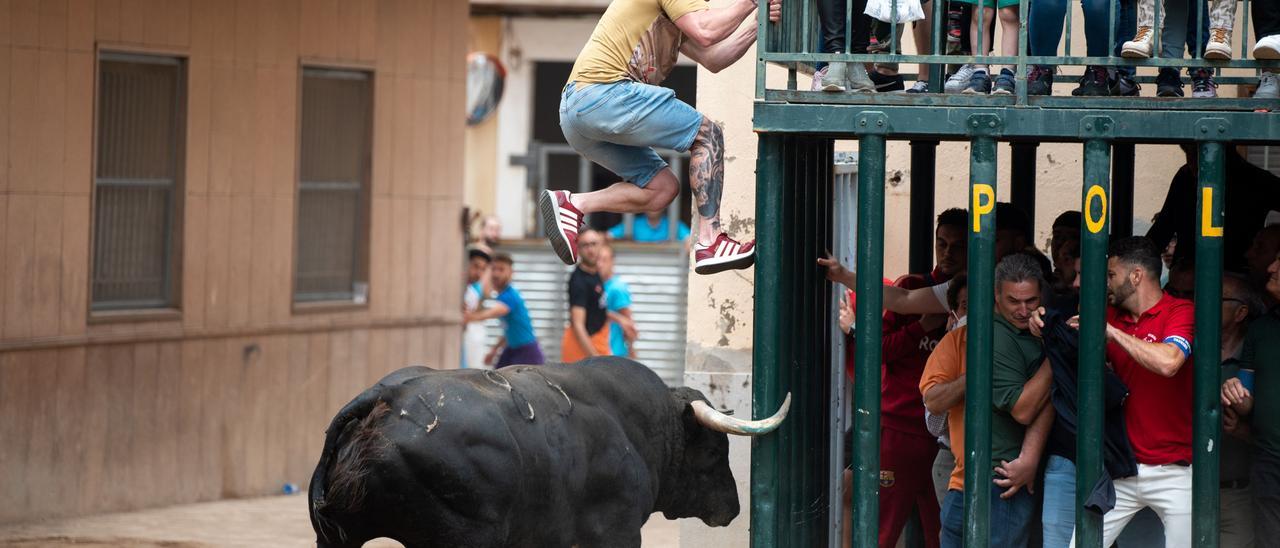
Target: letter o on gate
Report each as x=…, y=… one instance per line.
x=1095, y=224
x=980, y=207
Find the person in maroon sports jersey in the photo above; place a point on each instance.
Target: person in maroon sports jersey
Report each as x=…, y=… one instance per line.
x=1149, y=334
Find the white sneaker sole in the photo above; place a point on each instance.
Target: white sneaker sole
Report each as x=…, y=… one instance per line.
x=1215, y=54
x=721, y=264
x=1134, y=52
x=1266, y=53
x=551, y=226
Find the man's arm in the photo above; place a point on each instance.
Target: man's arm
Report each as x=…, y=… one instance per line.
x=493, y=353
x=1161, y=358
x=905, y=340
x=1022, y=471
x=719, y=56
x=497, y=310
x=943, y=396
x=896, y=299
x=578, y=323
x=712, y=26
x=1035, y=394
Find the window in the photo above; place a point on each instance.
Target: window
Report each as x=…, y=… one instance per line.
x=136, y=185
x=333, y=199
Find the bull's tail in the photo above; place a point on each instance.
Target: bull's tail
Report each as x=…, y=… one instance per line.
x=351, y=442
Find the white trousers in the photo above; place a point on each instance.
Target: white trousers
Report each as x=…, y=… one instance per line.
x=1165, y=489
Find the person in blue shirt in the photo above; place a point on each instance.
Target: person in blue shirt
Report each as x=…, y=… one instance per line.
x=650, y=228
x=518, y=344
x=617, y=301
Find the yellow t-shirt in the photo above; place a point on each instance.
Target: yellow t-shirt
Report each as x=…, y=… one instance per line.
x=613, y=43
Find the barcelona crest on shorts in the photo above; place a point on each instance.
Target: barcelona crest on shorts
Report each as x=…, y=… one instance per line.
x=886, y=478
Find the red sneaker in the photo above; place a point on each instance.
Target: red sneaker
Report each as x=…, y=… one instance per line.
x=723, y=254
x=560, y=221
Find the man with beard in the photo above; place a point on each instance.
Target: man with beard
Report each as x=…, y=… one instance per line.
x=587, y=334
x=518, y=344
x=1149, y=334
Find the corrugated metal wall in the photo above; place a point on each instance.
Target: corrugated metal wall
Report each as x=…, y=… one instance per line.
x=657, y=275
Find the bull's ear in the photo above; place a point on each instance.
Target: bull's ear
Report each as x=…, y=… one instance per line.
x=683, y=396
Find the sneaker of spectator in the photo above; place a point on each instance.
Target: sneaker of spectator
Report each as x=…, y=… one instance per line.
x=919, y=87
x=819, y=77
x=1168, y=83
x=1141, y=46
x=979, y=83
x=1095, y=82
x=886, y=82
x=1040, y=80
x=1124, y=85
x=1004, y=83
x=833, y=78
x=1219, y=46
x=1267, y=47
x=960, y=80
x=856, y=78
x=1268, y=87
x=1202, y=84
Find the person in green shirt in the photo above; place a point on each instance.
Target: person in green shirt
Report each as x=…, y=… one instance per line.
x=1255, y=402
x=1021, y=417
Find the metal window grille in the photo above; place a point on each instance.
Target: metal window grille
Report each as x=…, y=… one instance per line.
x=333, y=191
x=136, y=211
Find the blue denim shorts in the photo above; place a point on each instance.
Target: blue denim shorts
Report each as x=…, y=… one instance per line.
x=616, y=125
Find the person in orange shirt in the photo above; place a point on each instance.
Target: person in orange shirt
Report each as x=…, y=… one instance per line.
x=588, y=332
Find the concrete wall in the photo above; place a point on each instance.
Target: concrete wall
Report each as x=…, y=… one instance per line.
x=229, y=393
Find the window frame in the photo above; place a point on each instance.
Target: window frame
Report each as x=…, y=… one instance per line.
x=364, y=200
x=170, y=305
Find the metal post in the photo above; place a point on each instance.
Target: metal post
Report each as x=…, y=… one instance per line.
x=1093, y=306
x=866, y=387
x=1122, y=157
x=977, y=436
x=769, y=381
x=923, y=170
x=1023, y=166
x=1207, y=435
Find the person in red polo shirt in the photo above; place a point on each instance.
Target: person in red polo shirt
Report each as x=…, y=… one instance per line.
x=1149, y=334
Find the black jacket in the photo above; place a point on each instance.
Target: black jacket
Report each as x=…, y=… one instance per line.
x=1061, y=347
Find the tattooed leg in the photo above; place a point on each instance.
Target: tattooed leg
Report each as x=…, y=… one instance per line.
x=706, y=178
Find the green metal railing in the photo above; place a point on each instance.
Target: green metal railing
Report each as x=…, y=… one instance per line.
x=792, y=43
x=795, y=483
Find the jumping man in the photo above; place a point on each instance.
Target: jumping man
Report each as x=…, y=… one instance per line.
x=613, y=112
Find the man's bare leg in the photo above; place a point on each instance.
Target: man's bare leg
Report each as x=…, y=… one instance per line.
x=706, y=178
x=624, y=197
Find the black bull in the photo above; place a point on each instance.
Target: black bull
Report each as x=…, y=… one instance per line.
x=560, y=455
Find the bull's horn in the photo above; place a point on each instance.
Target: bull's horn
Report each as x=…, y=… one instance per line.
x=721, y=422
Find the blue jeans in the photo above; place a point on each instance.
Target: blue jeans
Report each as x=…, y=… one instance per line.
x=615, y=125
x=1180, y=27
x=1059, y=517
x=1044, y=27
x=1010, y=519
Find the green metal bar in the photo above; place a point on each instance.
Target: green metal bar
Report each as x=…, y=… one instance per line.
x=977, y=407
x=781, y=57
x=1067, y=34
x=982, y=30
x=893, y=27
x=807, y=33
x=768, y=380
x=870, y=269
x=910, y=121
x=924, y=160
x=1207, y=411
x=762, y=48
x=1089, y=402
x=1020, y=76
x=1122, y=162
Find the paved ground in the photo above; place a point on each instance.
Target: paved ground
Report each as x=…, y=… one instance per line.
x=273, y=521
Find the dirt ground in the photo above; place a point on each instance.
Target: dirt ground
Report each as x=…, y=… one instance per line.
x=272, y=521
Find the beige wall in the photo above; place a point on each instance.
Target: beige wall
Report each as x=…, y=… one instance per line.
x=229, y=394
x=482, y=139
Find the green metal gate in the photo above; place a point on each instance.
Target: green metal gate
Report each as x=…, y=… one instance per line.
x=802, y=210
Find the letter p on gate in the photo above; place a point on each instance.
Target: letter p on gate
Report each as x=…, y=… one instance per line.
x=981, y=207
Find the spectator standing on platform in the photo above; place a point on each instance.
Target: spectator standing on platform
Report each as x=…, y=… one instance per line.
x=473, y=295
x=518, y=344
x=587, y=334
x=617, y=300
x=653, y=227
